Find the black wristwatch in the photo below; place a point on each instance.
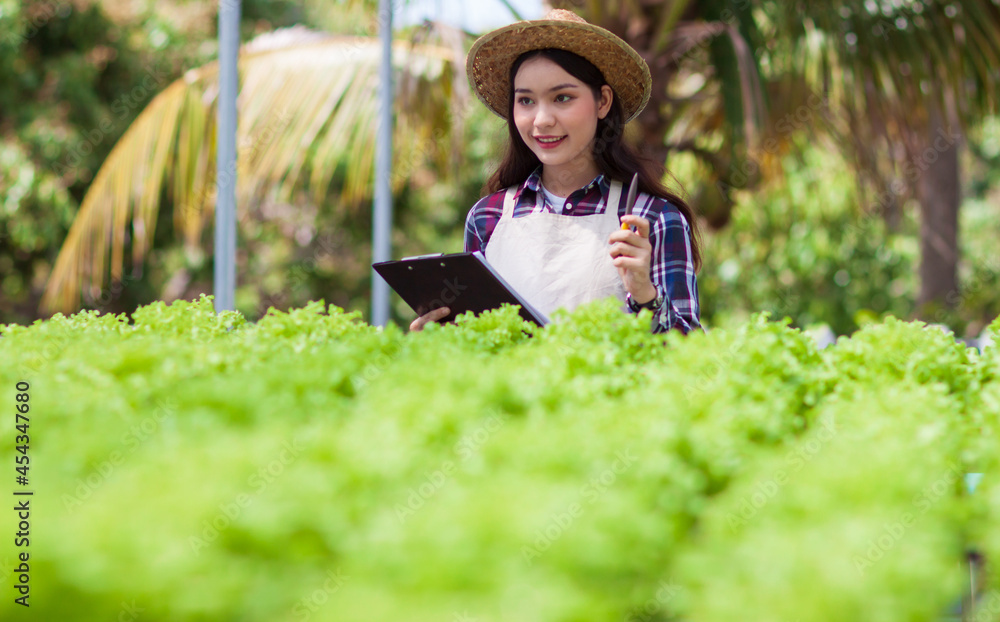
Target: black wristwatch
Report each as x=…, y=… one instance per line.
x=652, y=305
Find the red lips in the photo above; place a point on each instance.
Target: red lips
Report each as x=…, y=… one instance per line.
x=549, y=144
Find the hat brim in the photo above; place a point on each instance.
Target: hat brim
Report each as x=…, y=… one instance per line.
x=490, y=59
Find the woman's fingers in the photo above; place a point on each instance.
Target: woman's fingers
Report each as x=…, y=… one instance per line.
x=631, y=263
x=631, y=252
x=638, y=238
x=439, y=314
x=622, y=240
x=640, y=223
x=624, y=249
x=431, y=316
x=418, y=324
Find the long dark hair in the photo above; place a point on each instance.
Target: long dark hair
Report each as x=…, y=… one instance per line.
x=615, y=158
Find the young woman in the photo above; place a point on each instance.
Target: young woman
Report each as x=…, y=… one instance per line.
x=552, y=223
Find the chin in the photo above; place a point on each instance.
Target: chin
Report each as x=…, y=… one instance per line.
x=551, y=159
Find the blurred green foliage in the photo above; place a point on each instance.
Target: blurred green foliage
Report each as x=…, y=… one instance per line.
x=61, y=71
x=811, y=248
x=807, y=248
x=73, y=76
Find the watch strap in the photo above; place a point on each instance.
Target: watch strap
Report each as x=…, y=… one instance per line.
x=652, y=305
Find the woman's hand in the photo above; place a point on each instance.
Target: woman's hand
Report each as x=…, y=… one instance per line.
x=418, y=324
x=632, y=253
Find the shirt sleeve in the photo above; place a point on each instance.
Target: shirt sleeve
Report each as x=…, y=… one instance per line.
x=481, y=221
x=673, y=274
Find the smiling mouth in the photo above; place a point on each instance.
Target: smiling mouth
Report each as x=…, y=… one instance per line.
x=547, y=142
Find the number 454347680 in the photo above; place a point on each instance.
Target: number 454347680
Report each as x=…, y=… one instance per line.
x=22, y=407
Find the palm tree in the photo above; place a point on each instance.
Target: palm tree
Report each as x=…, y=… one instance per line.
x=913, y=76
x=305, y=113
x=896, y=83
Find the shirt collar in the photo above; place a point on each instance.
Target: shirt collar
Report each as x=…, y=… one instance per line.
x=534, y=183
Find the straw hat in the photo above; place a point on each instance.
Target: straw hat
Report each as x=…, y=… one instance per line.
x=492, y=55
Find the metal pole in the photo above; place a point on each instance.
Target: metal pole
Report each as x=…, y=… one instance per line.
x=382, y=217
x=225, y=207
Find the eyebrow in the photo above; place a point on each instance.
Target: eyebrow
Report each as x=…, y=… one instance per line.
x=568, y=85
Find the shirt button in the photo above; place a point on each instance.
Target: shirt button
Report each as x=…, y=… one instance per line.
x=569, y=206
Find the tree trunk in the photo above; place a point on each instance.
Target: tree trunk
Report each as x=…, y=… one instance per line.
x=939, y=194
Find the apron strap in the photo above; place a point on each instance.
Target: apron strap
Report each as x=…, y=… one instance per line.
x=615, y=199
x=508, y=203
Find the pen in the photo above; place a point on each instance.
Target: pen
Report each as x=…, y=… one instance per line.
x=630, y=200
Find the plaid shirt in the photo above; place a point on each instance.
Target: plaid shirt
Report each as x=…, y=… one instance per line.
x=671, y=266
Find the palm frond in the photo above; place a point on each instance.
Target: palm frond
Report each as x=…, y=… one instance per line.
x=306, y=110
x=514, y=12
x=954, y=47
x=670, y=14
x=891, y=67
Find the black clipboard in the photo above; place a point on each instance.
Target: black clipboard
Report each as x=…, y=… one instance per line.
x=460, y=281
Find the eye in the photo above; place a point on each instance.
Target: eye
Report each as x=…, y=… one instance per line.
x=563, y=98
x=524, y=101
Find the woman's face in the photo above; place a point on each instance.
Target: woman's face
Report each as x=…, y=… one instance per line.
x=556, y=114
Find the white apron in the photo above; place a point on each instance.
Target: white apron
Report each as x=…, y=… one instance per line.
x=554, y=260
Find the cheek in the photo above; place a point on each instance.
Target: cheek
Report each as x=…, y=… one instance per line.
x=584, y=119
x=523, y=123
x=585, y=125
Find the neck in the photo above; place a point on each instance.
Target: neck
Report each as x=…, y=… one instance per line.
x=563, y=180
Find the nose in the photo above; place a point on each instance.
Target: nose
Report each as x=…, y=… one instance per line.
x=544, y=116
